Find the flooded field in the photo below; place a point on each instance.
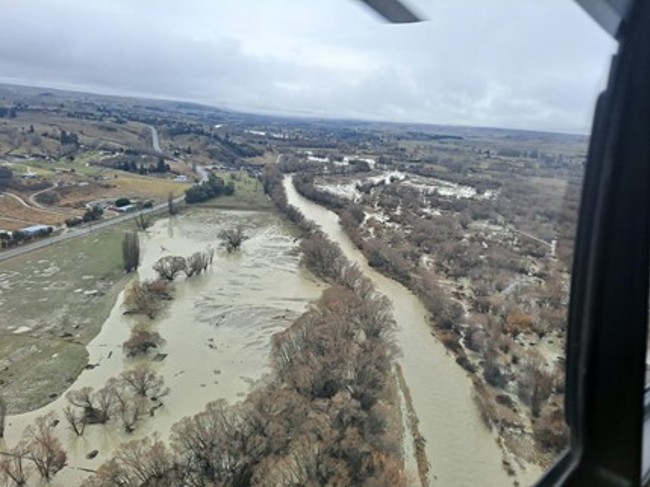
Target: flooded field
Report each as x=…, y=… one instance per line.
x=217, y=328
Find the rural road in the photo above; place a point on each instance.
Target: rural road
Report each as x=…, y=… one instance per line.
x=36, y=204
x=27, y=205
x=155, y=141
x=77, y=232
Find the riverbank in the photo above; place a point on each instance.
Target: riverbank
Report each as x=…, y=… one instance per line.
x=441, y=390
x=54, y=301
x=502, y=352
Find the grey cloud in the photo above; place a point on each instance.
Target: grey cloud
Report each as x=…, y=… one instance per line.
x=523, y=64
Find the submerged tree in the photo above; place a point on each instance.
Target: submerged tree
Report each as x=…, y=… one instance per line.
x=45, y=448
x=144, y=382
x=197, y=263
x=14, y=466
x=76, y=421
x=232, y=238
x=141, y=341
x=169, y=267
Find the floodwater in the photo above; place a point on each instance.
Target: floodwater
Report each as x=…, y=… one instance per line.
x=218, y=328
x=460, y=449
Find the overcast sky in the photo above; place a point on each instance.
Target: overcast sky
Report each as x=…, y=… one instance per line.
x=534, y=64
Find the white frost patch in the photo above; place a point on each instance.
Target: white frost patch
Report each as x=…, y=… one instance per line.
x=431, y=211
x=450, y=190
x=318, y=159
x=348, y=191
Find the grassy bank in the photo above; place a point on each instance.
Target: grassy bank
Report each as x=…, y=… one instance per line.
x=54, y=301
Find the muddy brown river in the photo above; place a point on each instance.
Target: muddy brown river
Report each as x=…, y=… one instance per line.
x=218, y=328
x=460, y=449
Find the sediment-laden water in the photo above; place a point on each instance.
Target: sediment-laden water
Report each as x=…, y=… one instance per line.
x=217, y=328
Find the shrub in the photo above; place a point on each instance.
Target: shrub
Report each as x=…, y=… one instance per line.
x=232, y=238
x=120, y=202
x=146, y=297
x=550, y=431
x=141, y=341
x=169, y=267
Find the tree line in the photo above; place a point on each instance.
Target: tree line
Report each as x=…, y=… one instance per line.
x=213, y=187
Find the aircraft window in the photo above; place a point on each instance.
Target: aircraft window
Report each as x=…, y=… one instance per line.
x=272, y=245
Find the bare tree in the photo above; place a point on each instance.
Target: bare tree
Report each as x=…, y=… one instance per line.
x=141, y=341
x=76, y=421
x=197, y=263
x=144, y=382
x=169, y=267
x=146, y=461
x=83, y=399
x=535, y=383
x=104, y=400
x=45, y=448
x=131, y=251
x=13, y=464
x=142, y=222
x=146, y=297
x=138, y=462
x=232, y=238
x=129, y=408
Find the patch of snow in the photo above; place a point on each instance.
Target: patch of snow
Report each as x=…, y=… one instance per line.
x=318, y=159
x=348, y=191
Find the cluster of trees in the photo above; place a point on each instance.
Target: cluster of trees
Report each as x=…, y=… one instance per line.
x=490, y=345
x=68, y=138
x=91, y=215
x=133, y=394
x=132, y=164
x=239, y=149
x=170, y=266
x=147, y=298
x=304, y=184
x=273, y=187
x=19, y=237
x=6, y=177
x=8, y=112
x=207, y=190
x=39, y=449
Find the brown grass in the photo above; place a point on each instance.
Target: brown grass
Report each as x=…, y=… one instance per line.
x=11, y=208
x=149, y=187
